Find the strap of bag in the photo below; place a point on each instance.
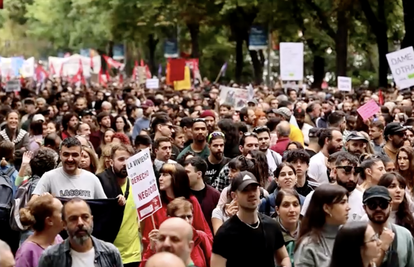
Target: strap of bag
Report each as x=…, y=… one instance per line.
x=127, y=190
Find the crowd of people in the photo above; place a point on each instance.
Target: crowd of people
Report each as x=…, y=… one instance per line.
x=292, y=179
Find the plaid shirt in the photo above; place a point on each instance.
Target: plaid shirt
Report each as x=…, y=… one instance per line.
x=222, y=180
x=106, y=255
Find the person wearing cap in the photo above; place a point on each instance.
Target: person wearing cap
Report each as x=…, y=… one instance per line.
x=394, y=135
x=236, y=241
x=397, y=243
x=143, y=122
x=295, y=133
x=300, y=114
x=210, y=118
x=356, y=143
x=87, y=116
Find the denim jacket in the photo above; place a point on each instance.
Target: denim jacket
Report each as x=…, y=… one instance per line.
x=106, y=255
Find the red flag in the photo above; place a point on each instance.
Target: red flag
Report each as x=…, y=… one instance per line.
x=142, y=63
x=52, y=69
x=381, y=97
x=147, y=72
x=176, y=69
x=61, y=70
x=113, y=63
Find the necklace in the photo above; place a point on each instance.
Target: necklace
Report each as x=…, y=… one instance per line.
x=253, y=227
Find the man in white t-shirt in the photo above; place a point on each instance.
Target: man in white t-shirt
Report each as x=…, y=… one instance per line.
x=70, y=181
x=346, y=171
x=330, y=141
x=80, y=249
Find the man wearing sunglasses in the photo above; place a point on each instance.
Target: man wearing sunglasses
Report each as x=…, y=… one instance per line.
x=396, y=241
x=346, y=173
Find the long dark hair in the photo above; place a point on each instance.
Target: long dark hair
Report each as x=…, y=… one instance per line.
x=408, y=174
x=261, y=167
x=315, y=217
x=350, y=238
x=180, y=182
x=231, y=133
x=403, y=216
x=127, y=127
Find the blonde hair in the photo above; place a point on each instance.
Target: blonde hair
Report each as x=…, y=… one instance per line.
x=106, y=152
x=179, y=203
x=93, y=158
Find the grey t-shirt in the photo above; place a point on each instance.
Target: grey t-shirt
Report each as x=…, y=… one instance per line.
x=58, y=183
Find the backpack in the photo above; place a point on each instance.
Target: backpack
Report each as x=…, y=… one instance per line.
x=23, y=195
x=6, y=193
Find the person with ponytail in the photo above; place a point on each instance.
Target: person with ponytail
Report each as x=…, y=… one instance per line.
x=19, y=137
x=44, y=216
x=6, y=162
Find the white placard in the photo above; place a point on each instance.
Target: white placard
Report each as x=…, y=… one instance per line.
x=291, y=61
x=402, y=67
x=234, y=96
x=13, y=86
x=144, y=185
x=344, y=83
x=152, y=83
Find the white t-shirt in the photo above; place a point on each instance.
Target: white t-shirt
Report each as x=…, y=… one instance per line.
x=305, y=130
x=317, y=168
x=58, y=183
x=83, y=259
x=356, y=211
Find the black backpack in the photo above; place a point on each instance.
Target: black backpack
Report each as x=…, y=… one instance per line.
x=6, y=193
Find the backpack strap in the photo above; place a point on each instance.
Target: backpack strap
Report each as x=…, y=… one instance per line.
x=127, y=190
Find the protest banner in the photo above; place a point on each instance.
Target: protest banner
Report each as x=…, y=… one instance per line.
x=234, y=96
x=13, y=86
x=344, y=83
x=291, y=61
x=258, y=38
x=144, y=185
x=152, y=83
x=368, y=110
x=402, y=67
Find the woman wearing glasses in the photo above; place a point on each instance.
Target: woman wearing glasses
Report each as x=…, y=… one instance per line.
x=356, y=245
x=327, y=211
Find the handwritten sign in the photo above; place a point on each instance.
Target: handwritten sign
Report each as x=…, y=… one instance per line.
x=234, y=96
x=152, y=83
x=144, y=185
x=291, y=61
x=13, y=86
x=344, y=83
x=402, y=67
x=368, y=110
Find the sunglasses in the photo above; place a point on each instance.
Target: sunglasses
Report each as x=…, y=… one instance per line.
x=348, y=169
x=247, y=134
x=374, y=204
x=214, y=135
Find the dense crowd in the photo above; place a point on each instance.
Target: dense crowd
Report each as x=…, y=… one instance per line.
x=293, y=178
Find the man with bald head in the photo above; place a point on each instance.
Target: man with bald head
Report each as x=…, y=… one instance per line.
x=283, y=132
x=163, y=259
x=176, y=236
x=6, y=256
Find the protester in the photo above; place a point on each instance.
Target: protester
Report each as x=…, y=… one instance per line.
x=81, y=248
x=89, y=160
x=199, y=145
x=373, y=169
x=273, y=158
x=216, y=160
x=162, y=148
x=394, y=135
x=163, y=259
x=405, y=166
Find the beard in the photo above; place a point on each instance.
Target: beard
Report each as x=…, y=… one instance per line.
x=218, y=155
x=350, y=186
x=332, y=149
x=372, y=217
x=80, y=239
x=300, y=124
x=120, y=173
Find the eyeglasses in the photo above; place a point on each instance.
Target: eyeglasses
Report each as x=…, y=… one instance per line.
x=260, y=128
x=214, y=135
x=348, y=169
x=374, y=204
x=374, y=238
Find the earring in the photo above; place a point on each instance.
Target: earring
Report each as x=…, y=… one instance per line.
x=330, y=215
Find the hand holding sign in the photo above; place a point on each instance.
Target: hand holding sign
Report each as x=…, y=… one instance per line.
x=368, y=110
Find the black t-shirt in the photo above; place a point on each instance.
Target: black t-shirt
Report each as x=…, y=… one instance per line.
x=213, y=170
x=241, y=245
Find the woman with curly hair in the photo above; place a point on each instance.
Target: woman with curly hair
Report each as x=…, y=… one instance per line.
x=120, y=138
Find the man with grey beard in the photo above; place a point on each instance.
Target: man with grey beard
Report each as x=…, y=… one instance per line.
x=80, y=249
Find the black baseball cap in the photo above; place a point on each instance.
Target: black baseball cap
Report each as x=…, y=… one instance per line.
x=243, y=180
x=376, y=191
x=394, y=128
x=356, y=136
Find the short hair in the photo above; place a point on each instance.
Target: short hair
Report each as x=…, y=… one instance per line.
x=244, y=136
x=297, y=154
x=159, y=119
x=379, y=124
x=73, y=200
x=336, y=118
x=282, y=130
x=198, y=163
x=102, y=115
x=272, y=123
x=179, y=203
x=225, y=105
x=353, y=160
x=121, y=147
x=259, y=130
x=144, y=140
x=324, y=133
x=157, y=142
x=243, y=112
x=186, y=122
x=6, y=150
x=70, y=142
x=45, y=160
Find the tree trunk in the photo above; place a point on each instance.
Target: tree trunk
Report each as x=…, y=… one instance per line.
x=152, y=46
x=318, y=71
x=194, y=29
x=239, y=58
x=408, y=6
x=382, y=42
x=257, y=66
x=341, y=43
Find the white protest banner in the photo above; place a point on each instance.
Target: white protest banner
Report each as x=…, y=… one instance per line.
x=28, y=68
x=144, y=185
x=152, y=83
x=291, y=61
x=13, y=86
x=344, y=83
x=234, y=96
x=402, y=67
x=250, y=92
